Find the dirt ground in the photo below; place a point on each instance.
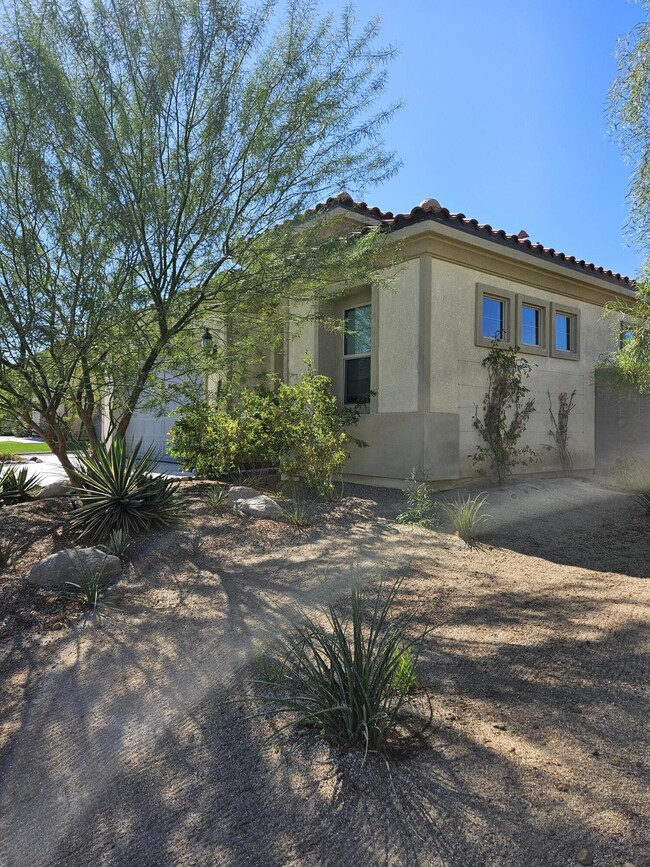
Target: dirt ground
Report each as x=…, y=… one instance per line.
x=134, y=743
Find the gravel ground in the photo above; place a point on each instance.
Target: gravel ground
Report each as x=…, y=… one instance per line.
x=133, y=743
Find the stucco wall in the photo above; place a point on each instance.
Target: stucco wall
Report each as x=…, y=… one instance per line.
x=428, y=374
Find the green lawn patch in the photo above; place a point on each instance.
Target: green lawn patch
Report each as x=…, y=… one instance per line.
x=14, y=447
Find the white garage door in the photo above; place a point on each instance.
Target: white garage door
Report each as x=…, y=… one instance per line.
x=152, y=430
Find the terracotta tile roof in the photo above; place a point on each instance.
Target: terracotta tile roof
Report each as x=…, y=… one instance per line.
x=430, y=209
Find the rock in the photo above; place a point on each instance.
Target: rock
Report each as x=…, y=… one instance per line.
x=259, y=506
x=500, y=726
x=584, y=856
x=73, y=564
x=241, y=492
x=59, y=488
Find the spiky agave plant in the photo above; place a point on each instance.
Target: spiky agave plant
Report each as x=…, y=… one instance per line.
x=16, y=485
x=118, y=491
x=348, y=679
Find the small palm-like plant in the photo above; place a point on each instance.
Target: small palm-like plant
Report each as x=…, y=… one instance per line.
x=118, y=491
x=16, y=485
x=467, y=516
x=349, y=680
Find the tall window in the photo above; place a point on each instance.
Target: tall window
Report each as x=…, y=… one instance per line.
x=531, y=325
x=564, y=332
x=494, y=315
x=356, y=353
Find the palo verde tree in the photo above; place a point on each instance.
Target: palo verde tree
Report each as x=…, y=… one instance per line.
x=630, y=120
x=157, y=163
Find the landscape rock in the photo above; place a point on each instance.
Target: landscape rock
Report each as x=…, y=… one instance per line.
x=58, y=488
x=241, y=492
x=585, y=857
x=248, y=501
x=73, y=564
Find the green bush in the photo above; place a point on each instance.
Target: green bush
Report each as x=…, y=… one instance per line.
x=419, y=510
x=119, y=492
x=349, y=680
x=297, y=429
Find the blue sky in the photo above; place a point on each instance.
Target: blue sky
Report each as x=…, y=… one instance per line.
x=505, y=117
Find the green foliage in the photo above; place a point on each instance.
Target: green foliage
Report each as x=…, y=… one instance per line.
x=560, y=429
x=296, y=429
x=118, y=491
x=467, y=516
x=119, y=544
x=16, y=485
x=167, y=177
x=196, y=543
x=216, y=498
x=505, y=413
x=350, y=680
x=296, y=513
x=90, y=592
x=214, y=441
x=9, y=552
x=419, y=509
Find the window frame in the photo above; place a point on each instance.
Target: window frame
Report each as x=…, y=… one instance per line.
x=558, y=309
x=508, y=300
x=544, y=307
x=355, y=355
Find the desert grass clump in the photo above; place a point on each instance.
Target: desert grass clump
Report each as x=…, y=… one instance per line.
x=89, y=591
x=467, y=516
x=351, y=678
x=419, y=509
x=119, y=491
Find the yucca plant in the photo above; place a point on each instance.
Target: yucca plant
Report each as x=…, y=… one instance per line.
x=467, y=516
x=118, y=491
x=347, y=678
x=9, y=552
x=119, y=544
x=196, y=542
x=90, y=592
x=217, y=498
x=16, y=485
x=296, y=513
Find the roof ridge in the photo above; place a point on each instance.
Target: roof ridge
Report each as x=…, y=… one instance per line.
x=432, y=209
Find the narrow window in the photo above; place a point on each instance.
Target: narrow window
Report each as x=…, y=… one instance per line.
x=531, y=325
x=564, y=332
x=356, y=353
x=493, y=318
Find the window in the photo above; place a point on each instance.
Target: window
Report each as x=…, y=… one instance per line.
x=626, y=334
x=532, y=325
x=566, y=332
x=356, y=353
x=494, y=316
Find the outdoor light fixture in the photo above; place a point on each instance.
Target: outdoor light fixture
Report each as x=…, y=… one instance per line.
x=207, y=340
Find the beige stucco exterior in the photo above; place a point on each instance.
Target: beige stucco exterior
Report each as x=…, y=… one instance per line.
x=426, y=364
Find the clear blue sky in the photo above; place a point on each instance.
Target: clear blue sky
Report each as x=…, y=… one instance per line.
x=505, y=117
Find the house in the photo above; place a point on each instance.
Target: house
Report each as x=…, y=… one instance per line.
x=419, y=344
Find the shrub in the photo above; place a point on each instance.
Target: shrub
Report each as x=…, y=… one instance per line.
x=505, y=413
x=348, y=681
x=419, y=509
x=298, y=430
x=16, y=485
x=466, y=514
x=119, y=492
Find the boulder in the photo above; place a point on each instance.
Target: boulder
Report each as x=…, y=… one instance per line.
x=248, y=501
x=74, y=564
x=240, y=492
x=57, y=488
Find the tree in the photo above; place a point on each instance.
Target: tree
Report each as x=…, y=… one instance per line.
x=157, y=163
x=630, y=116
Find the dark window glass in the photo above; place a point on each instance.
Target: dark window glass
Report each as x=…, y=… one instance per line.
x=563, y=335
x=531, y=325
x=493, y=318
x=357, y=379
x=357, y=330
